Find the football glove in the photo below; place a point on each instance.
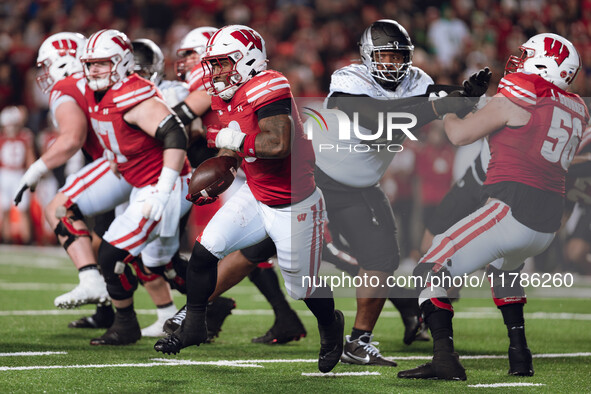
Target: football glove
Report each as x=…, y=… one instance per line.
x=155, y=203
x=456, y=102
x=225, y=138
x=200, y=200
x=30, y=179
x=477, y=84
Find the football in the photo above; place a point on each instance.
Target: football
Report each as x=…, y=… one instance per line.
x=213, y=177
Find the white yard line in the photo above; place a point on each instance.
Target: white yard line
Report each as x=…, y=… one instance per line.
x=30, y=354
x=158, y=362
x=495, y=385
x=336, y=374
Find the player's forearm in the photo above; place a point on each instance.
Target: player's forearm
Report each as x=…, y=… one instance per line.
x=274, y=140
x=63, y=149
x=174, y=159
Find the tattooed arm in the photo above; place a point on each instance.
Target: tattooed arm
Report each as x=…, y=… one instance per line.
x=274, y=140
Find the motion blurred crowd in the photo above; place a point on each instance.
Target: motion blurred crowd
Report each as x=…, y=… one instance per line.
x=306, y=40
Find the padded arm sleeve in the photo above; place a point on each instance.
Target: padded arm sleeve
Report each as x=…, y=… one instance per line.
x=185, y=114
x=172, y=133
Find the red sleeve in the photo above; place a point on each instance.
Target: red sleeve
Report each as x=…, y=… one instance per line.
x=519, y=89
x=134, y=92
x=268, y=87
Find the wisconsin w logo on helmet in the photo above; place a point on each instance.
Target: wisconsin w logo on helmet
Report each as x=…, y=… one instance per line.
x=556, y=49
x=247, y=36
x=65, y=47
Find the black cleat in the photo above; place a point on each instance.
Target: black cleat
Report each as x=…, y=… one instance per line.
x=331, y=343
x=191, y=332
x=217, y=311
x=284, y=330
x=124, y=331
x=445, y=366
x=520, y=361
x=174, y=323
x=414, y=330
x=91, y=322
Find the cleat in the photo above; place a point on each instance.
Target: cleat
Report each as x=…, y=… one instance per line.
x=284, y=330
x=331, y=343
x=363, y=351
x=174, y=323
x=91, y=322
x=191, y=332
x=445, y=366
x=102, y=318
x=520, y=361
x=91, y=290
x=217, y=311
x=124, y=331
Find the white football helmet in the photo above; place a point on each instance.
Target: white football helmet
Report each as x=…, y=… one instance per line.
x=550, y=56
x=108, y=45
x=58, y=58
x=244, y=48
x=194, y=42
x=11, y=116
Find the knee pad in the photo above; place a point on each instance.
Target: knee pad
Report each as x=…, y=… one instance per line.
x=114, y=263
x=142, y=274
x=67, y=215
x=506, y=286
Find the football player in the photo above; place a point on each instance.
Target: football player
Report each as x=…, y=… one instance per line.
x=357, y=208
x=16, y=154
x=61, y=74
x=251, y=261
x=147, y=142
x=534, y=127
x=279, y=200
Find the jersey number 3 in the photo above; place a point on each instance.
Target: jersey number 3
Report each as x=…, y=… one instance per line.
x=562, y=145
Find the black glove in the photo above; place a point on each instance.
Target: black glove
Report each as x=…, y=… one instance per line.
x=456, y=102
x=477, y=84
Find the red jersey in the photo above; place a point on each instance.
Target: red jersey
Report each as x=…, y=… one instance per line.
x=271, y=181
x=138, y=155
x=13, y=150
x=209, y=118
x=73, y=88
x=537, y=154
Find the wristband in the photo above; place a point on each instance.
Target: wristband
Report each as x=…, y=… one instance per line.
x=39, y=167
x=248, y=146
x=167, y=178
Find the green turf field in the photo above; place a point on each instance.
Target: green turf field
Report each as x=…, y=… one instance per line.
x=38, y=353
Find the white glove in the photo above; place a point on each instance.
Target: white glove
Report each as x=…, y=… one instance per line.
x=155, y=203
x=229, y=139
x=30, y=179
